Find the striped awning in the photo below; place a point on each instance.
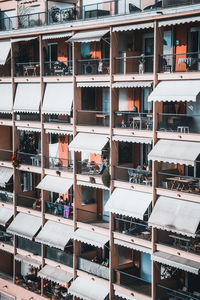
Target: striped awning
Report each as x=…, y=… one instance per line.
x=93, y=84
x=88, y=36
x=133, y=27
x=55, y=274
x=57, y=35
x=90, y=238
x=132, y=139
x=132, y=246
x=5, y=215
x=58, y=131
x=5, y=175
x=178, y=21
x=28, y=259
x=132, y=84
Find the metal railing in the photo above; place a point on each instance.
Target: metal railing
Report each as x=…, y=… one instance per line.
x=133, y=64
x=134, y=120
x=59, y=256
x=86, y=216
x=140, y=229
x=29, y=202
x=166, y=293
x=93, y=268
x=5, y=155
x=30, y=159
x=28, y=245
x=93, y=118
x=6, y=116
x=172, y=3
x=27, y=117
x=6, y=238
x=58, y=163
x=133, y=175
x=61, y=210
x=57, y=119
x=93, y=66
x=6, y=196
x=27, y=69
x=58, y=68
x=90, y=168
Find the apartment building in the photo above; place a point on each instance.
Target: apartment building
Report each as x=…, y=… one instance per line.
x=100, y=149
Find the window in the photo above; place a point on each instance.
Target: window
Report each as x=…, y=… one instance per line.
x=53, y=52
x=145, y=105
x=125, y=153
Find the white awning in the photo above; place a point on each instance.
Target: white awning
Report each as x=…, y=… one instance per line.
x=90, y=238
x=5, y=215
x=177, y=21
x=178, y=152
x=58, y=131
x=29, y=260
x=89, y=36
x=176, y=90
x=29, y=129
x=5, y=46
x=55, y=234
x=56, y=35
x=123, y=296
x=178, y=262
x=132, y=84
x=176, y=215
x=133, y=27
x=93, y=185
x=27, y=98
x=24, y=225
x=5, y=175
x=93, y=84
x=128, y=203
x=132, y=246
x=23, y=39
x=62, y=105
x=90, y=143
x=6, y=93
x=55, y=184
x=55, y=274
x=132, y=139
x=88, y=289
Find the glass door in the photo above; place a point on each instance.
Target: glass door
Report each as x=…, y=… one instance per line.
x=148, y=51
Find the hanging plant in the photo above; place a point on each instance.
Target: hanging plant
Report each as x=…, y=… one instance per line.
x=15, y=159
x=106, y=177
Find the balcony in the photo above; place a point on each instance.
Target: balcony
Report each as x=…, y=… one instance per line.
x=93, y=268
x=62, y=257
x=58, y=68
x=92, y=217
x=61, y=210
x=29, y=202
x=93, y=66
x=30, y=159
x=93, y=118
x=5, y=237
x=132, y=175
x=62, y=119
x=30, y=117
x=29, y=281
x=29, y=246
x=24, y=69
x=87, y=167
x=133, y=120
x=6, y=197
x=58, y=164
x=142, y=64
x=6, y=155
x=165, y=293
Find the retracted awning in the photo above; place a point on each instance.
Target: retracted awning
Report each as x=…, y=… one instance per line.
x=90, y=143
x=24, y=225
x=93, y=185
x=176, y=215
x=123, y=296
x=93, y=84
x=29, y=129
x=132, y=84
x=23, y=39
x=128, y=203
x=27, y=98
x=177, y=21
x=55, y=184
x=5, y=215
x=62, y=105
x=178, y=152
x=58, y=131
x=5, y=46
x=132, y=139
x=6, y=93
x=88, y=289
x=133, y=27
x=55, y=274
x=90, y=238
x=178, y=262
x=55, y=234
x=29, y=260
x=5, y=175
x=56, y=35
x=176, y=90
x=132, y=246
x=89, y=36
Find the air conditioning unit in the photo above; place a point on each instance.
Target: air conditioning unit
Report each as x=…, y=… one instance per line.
x=88, y=69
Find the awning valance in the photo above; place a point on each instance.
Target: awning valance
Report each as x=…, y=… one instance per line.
x=178, y=262
x=176, y=90
x=5, y=215
x=178, y=152
x=56, y=35
x=55, y=234
x=132, y=139
x=29, y=260
x=132, y=84
x=5, y=46
x=123, y=296
x=58, y=131
x=176, y=215
x=89, y=36
x=93, y=84
x=62, y=105
x=28, y=129
x=55, y=184
x=90, y=143
x=55, y=274
x=88, y=289
x=6, y=93
x=24, y=225
x=5, y=175
x=133, y=27
x=93, y=185
x=132, y=246
x=90, y=238
x=23, y=39
x=177, y=21
x=27, y=98
x=135, y=206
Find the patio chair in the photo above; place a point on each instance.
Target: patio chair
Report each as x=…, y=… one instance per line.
x=49, y=207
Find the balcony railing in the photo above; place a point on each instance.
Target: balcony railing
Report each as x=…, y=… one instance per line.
x=133, y=175
x=134, y=64
x=93, y=268
x=6, y=197
x=178, y=182
x=133, y=120
x=31, y=117
x=166, y=293
x=138, y=229
x=58, y=68
x=29, y=282
x=59, y=256
x=86, y=216
x=29, y=202
x=30, y=159
x=58, y=163
x=172, y=3
x=5, y=155
x=27, y=69
x=6, y=238
x=181, y=123
x=61, y=210
x=5, y=70
x=28, y=245
x=5, y=116
x=65, y=119
x=93, y=118
x=90, y=168
x=93, y=66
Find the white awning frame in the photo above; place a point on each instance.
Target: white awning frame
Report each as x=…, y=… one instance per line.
x=55, y=184
x=5, y=47
x=92, y=185
x=29, y=260
x=178, y=21
x=5, y=175
x=29, y=129
x=131, y=84
x=5, y=215
x=56, y=35
x=90, y=238
x=55, y=274
x=132, y=139
x=89, y=36
x=133, y=27
x=93, y=84
x=58, y=131
x=6, y=105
